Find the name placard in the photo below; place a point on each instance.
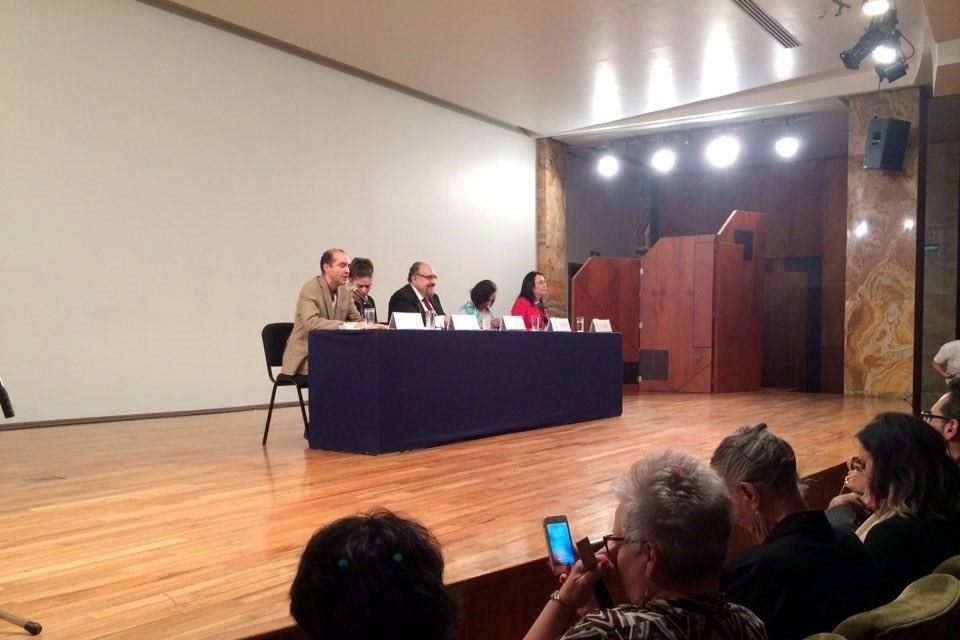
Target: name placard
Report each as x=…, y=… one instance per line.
x=406, y=321
x=601, y=325
x=465, y=322
x=512, y=323
x=559, y=324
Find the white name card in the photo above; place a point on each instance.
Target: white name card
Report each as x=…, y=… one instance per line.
x=601, y=326
x=559, y=324
x=512, y=323
x=465, y=322
x=406, y=321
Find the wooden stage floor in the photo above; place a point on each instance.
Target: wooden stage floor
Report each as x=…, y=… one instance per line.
x=187, y=528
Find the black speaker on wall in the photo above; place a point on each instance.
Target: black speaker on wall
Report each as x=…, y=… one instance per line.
x=886, y=144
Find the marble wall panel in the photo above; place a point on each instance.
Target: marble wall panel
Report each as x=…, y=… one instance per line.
x=552, y=223
x=881, y=267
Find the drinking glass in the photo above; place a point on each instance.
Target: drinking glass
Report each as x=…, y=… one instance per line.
x=370, y=315
x=579, y=324
x=535, y=323
x=431, y=319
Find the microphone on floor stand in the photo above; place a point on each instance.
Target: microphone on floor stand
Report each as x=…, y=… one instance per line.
x=31, y=627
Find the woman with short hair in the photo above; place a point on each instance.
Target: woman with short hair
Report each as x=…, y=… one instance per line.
x=482, y=296
x=913, y=487
x=670, y=534
x=374, y=576
x=805, y=577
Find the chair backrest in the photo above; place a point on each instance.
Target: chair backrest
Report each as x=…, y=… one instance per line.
x=950, y=566
x=275, y=336
x=928, y=608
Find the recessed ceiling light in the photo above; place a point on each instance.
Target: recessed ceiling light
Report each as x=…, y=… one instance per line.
x=723, y=151
x=876, y=7
x=663, y=160
x=608, y=166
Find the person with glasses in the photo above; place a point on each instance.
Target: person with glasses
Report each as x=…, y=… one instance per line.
x=670, y=534
x=914, y=487
x=419, y=295
x=944, y=417
x=804, y=577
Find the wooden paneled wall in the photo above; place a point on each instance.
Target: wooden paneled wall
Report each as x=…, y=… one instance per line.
x=805, y=203
x=608, y=288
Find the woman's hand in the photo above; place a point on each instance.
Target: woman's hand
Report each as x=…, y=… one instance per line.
x=495, y=323
x=855, y=482
x=577, y=588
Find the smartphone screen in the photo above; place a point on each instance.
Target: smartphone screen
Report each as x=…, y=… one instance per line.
x=559, y=541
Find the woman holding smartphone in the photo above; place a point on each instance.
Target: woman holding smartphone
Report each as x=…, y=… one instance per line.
x=669, y=539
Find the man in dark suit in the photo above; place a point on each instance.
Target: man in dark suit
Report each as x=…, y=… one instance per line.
x=418, y=296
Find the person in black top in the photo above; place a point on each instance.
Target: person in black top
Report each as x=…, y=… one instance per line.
x=361, y=281
x=805, y=577
x=913, y=487
x=419, y=295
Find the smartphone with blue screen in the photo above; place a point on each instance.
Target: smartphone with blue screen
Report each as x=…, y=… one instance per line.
x=559, y=543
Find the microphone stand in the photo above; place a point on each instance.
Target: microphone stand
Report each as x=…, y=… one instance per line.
x=31, y=627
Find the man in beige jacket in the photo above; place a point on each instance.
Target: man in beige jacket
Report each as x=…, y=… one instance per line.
x=325, y=302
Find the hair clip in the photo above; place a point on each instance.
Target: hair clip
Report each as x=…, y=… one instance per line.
x=398, y=557
x=343, y=563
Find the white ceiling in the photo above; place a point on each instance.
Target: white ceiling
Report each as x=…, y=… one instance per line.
x=570, y=68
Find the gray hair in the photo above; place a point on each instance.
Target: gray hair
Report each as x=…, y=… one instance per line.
x=754, y=454
x=680, y=506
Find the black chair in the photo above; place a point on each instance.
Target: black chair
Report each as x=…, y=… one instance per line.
x=275, y=338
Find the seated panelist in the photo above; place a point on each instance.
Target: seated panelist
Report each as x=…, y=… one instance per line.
x=529, y=303
x=418, y=295
x=325, y=302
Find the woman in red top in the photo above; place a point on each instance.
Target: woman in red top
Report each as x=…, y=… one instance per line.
x=529, y=303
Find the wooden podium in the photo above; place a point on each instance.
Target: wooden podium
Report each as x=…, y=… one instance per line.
x=690, y=310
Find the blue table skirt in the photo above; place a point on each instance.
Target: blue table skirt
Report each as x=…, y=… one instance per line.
x=383, y=391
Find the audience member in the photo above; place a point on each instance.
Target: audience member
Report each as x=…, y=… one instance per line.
x=529, y=303
x=361, y=281
x=947, y=360
x=670, y=534
x=482, y=297
x=418, y=295
x=325, y=302
x=944, y=417
x=374, y=576
x=805, y=577
x=914, y=489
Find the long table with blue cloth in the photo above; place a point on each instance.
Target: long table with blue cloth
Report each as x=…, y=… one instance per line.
x=384, y=391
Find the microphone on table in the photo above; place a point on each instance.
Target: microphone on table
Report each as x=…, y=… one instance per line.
x=5, y=403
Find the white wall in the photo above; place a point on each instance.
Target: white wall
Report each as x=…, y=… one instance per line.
x=602, y=214
x=166, y=188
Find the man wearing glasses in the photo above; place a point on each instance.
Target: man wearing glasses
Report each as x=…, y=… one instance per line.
x=944, y=416
x=418, y=296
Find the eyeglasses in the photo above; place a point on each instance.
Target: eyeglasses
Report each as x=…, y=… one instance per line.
x=856, y=464
x=607, y=539
x=426, y=277
x=927, y=416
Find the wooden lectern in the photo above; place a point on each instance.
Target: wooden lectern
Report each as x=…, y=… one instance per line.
x=690, y=310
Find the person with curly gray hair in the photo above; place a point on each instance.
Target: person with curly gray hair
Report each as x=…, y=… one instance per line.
x=806, y=576
x=669, y=539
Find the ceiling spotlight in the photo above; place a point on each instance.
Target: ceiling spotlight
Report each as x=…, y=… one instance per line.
x=608, y=165
x=875, y=7
x=787, y=146
x=908, y=224
x=893, y=70
x=723, y=151
x=663, y=160
x=880, y=30
x=861, y=229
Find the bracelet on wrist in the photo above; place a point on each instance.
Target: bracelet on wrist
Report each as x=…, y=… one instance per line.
x=555, y=596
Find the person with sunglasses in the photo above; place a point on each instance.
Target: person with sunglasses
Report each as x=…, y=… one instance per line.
x=419, y=295
x=804, y=576
x=669, y=540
